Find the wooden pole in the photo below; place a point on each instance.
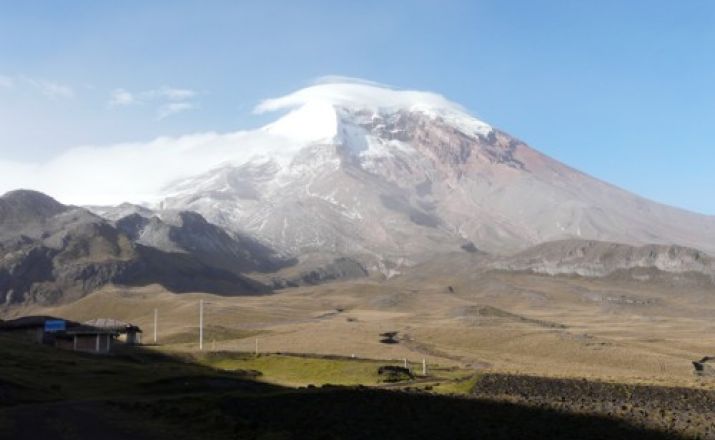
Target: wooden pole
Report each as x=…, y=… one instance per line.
x=424, y=367
x=201, y=325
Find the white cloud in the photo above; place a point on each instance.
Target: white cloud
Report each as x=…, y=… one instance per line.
x=361, y=94
x=174, y=94
x=169, y=100
x=121, y=98
x=339, y=79
x=139, y=172
x=142, y=172
x=173, y=108
x=48, y=88
x=51, y=89
x=355, y=94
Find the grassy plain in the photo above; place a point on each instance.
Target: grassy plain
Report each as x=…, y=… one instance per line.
x=613, y=330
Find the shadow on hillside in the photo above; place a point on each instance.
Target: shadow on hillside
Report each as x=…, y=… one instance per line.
x=355, y=413
x=141, y=393
x=248, y=408
x=182, y=273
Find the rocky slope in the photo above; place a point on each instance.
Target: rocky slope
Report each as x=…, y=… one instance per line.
x=189, y=233
x=50, y=252
x=600, y=259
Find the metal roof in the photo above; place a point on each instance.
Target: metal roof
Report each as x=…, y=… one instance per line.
x=27, y=322
x=95, y=326
x=113, y=325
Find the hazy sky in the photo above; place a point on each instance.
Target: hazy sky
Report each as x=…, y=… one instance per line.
x=623, y=90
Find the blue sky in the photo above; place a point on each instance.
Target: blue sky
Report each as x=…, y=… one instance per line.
x=623, y=90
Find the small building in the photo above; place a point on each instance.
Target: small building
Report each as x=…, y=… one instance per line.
x=97, y=336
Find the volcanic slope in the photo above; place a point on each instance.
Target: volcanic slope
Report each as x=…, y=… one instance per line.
x=395, y=177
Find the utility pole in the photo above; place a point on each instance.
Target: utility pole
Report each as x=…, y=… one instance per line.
x=156, y=320
x=424, y=367
x=201, y=325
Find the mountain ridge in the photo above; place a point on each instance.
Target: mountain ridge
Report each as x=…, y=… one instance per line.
x=51, y=253
x=600, y=259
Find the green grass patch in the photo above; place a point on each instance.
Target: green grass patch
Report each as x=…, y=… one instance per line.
x=301, y=370
x=461, y=386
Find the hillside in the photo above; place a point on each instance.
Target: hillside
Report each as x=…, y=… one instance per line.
x=52, y=253
x=599, y=259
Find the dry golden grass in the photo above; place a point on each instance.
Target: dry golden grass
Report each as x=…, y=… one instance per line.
x=518, y=323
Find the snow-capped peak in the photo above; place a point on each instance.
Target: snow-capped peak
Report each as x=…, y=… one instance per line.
x=311, y=122
x=313, y=114
x=359, y=97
